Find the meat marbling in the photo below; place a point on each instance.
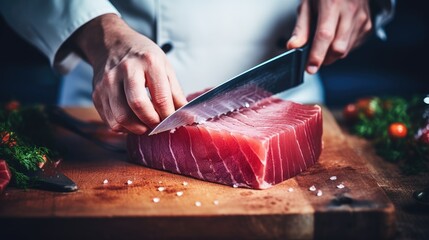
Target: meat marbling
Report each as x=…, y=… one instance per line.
x=255, y=147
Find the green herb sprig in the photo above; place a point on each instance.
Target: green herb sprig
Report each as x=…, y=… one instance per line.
x=381, y=120
x=26, y=140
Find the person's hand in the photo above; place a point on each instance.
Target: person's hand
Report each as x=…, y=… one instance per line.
x=341, y=26
x=125, y=63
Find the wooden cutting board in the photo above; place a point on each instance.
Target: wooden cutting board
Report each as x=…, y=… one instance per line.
x=360, y=210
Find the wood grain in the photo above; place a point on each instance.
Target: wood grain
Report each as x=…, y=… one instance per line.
x=118, y=210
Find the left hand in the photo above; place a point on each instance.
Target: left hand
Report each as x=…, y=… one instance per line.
x=342, y=25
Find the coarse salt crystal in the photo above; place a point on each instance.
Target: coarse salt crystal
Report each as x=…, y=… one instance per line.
x=235, y=185
x=333, y=178
x=247, y=104
x=156, y=200
x=340, y=186
x=216, y=202
x=105, y=181
x=185, y=183
x=319, y=193
x=290, y=189
x=172, y=130
x=179, y=194
x=198, y=204
x=312, y=188
x=160, y=182
x=129, y=182
x=161, y=189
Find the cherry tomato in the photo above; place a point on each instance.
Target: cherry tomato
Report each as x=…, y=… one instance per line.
x=350, y=112
x=12, y=105
x=397, y=130
x=5, y=136
x=364, y=105
x=6, y=139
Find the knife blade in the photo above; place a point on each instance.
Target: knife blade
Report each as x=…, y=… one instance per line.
x=273, y=76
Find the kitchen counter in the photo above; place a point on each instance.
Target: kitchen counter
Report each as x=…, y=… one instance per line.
x=376, y=202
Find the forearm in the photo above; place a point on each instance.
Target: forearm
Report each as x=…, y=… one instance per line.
x=48, y=23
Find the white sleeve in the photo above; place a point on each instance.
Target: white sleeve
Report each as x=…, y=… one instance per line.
x=47, y=24
x=383, y=17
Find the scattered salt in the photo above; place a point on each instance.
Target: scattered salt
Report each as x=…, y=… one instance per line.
x=247, y=104
x=185, y=183
x=129, y=182
x=172, y=130
x=216, y=202
x=156, y=200
x=319, y=193
x=312, y=188
x=179, y=194
x=161, y=189
x=235, y=185
x=105, y=181
x=198, y=204
x=340, y=186
x=333, y=178
x=160, y=182
x=290, y=189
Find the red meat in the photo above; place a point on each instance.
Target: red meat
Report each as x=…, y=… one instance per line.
x=254, y=147
x=5, y=175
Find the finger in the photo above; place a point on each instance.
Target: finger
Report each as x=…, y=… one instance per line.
x=159, y=88
x=364, y=33
x=327, y=22
x=136, y=94
x=121, y=112
x=101, y=101
x=179, y=98
x=301, y=31
x=345, y=36
x=114, y=125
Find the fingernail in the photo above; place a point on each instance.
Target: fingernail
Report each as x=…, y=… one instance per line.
x=291, y=40
x=312, y=69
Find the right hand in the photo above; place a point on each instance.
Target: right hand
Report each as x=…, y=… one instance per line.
x=125, y=63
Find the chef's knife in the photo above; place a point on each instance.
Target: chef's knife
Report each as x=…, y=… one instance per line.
x=273, y=76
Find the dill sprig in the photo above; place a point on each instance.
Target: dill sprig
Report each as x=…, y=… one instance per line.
x=26, y=140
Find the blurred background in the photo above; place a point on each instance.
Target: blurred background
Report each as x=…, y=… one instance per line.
x=396, y=67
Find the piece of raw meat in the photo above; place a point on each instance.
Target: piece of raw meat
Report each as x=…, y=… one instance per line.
x=5, y=175
x=253, y=147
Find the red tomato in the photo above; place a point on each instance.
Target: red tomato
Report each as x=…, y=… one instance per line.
x=397, y=130
x=12, y=105
x=6, y=139
x=350, y=112
x=5, y=136
x=364, y=105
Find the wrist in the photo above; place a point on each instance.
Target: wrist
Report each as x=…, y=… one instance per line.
x=93, y=40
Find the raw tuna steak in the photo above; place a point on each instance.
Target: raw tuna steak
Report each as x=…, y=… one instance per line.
x=254, y=147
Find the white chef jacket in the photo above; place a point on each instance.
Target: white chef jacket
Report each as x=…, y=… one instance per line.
x=209, y=41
